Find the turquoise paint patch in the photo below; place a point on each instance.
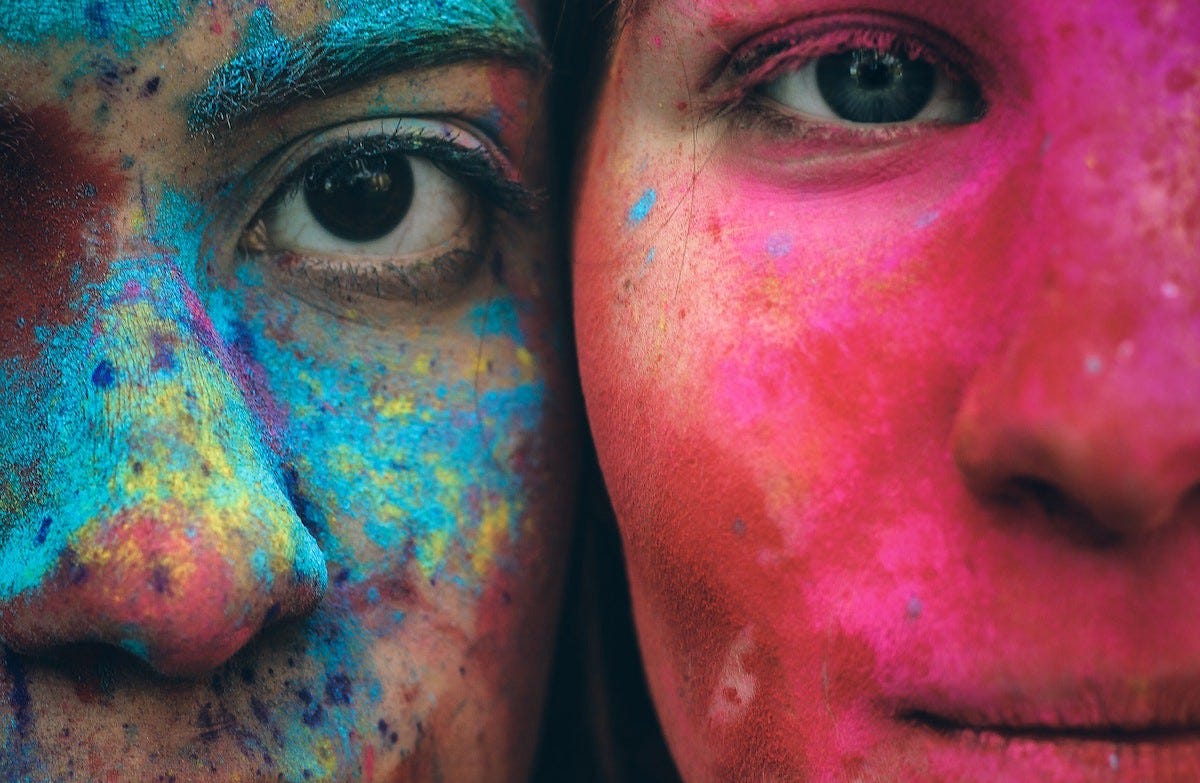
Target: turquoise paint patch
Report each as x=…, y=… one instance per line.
x=496, y=318
x=641, y=208
x=126, y=25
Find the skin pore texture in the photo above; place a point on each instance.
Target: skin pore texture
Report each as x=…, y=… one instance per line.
x=275, y=503
x=900, y=421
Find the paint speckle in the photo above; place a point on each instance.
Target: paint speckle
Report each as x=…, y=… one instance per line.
x=338, y=689
x=105, y=375
x=641, y=208
x=779, y=244
x=43, y=529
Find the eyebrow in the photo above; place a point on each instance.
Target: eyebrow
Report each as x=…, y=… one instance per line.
x=271, y=71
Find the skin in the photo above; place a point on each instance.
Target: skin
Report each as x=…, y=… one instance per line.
x=900, y=426
x=262, y=521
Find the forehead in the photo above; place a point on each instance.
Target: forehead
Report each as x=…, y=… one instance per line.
x=137, y=23
x=202, y=34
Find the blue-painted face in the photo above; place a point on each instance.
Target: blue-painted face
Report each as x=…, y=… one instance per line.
x=285, y=409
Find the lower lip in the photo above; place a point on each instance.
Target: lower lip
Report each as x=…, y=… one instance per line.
x=1057, y=755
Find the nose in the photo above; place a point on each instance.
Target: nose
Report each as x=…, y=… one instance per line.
x=150, y=515
x=1100, y=434
x=1089, y=408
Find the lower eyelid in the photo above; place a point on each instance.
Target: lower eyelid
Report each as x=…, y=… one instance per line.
x=424, y=282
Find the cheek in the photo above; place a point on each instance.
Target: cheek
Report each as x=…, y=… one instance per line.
x=764, y=392
x=410, y=447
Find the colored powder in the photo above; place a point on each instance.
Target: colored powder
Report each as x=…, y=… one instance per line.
x=642, y=207
x=126, y=25
x=369, y=38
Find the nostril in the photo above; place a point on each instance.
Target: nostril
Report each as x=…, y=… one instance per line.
x=1056, y=509
x=168, y=589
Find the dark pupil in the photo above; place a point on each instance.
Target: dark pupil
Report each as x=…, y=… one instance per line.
x=361, y=198
x=869, y=85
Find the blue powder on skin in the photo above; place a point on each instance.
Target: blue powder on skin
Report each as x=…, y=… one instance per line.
x=126, y=25
x=641, y=208
x=779, y=245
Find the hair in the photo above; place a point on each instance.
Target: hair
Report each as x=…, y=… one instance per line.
x=599, y=724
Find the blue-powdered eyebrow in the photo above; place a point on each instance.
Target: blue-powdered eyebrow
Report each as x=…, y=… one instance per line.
x=370, y=39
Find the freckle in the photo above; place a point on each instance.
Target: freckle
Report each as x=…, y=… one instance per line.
x=739, y=527
x=138, y=468
x=127, y=162
x=151, y=86
x=914, y=608
x=1093, y=364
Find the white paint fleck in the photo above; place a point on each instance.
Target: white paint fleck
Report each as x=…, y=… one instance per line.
x=735, y=686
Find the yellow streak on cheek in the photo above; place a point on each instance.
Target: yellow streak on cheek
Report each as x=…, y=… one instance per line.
x=396, y=408
x=421, y=364
x=493, y=532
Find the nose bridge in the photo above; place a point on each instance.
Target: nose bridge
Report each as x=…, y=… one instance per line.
x=152, y=516
x=1119, y=192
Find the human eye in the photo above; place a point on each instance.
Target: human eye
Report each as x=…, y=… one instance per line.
x=396, y=209
x=858, y=71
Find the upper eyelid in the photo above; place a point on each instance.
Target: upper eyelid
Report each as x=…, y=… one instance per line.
x=785, y=44
x=500, y=180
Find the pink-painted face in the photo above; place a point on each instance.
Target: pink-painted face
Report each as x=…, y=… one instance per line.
x=889, y=323
x=286, y=405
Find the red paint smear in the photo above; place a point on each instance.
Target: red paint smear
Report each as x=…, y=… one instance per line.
x=369, y=762
x=56, y=196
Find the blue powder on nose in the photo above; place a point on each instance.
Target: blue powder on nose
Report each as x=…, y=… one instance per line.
x=641, y=208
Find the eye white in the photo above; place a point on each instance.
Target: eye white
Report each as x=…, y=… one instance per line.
x=440, y=207
x=799, y=91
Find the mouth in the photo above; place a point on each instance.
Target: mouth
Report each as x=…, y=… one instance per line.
x=1115, y=711
x=1061, y=730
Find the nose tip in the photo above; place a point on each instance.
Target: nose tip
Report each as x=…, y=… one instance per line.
x=166, y=589
x=1094, y=476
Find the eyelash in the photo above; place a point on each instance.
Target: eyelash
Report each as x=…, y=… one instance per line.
x=473, y=167
x=484, y=174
